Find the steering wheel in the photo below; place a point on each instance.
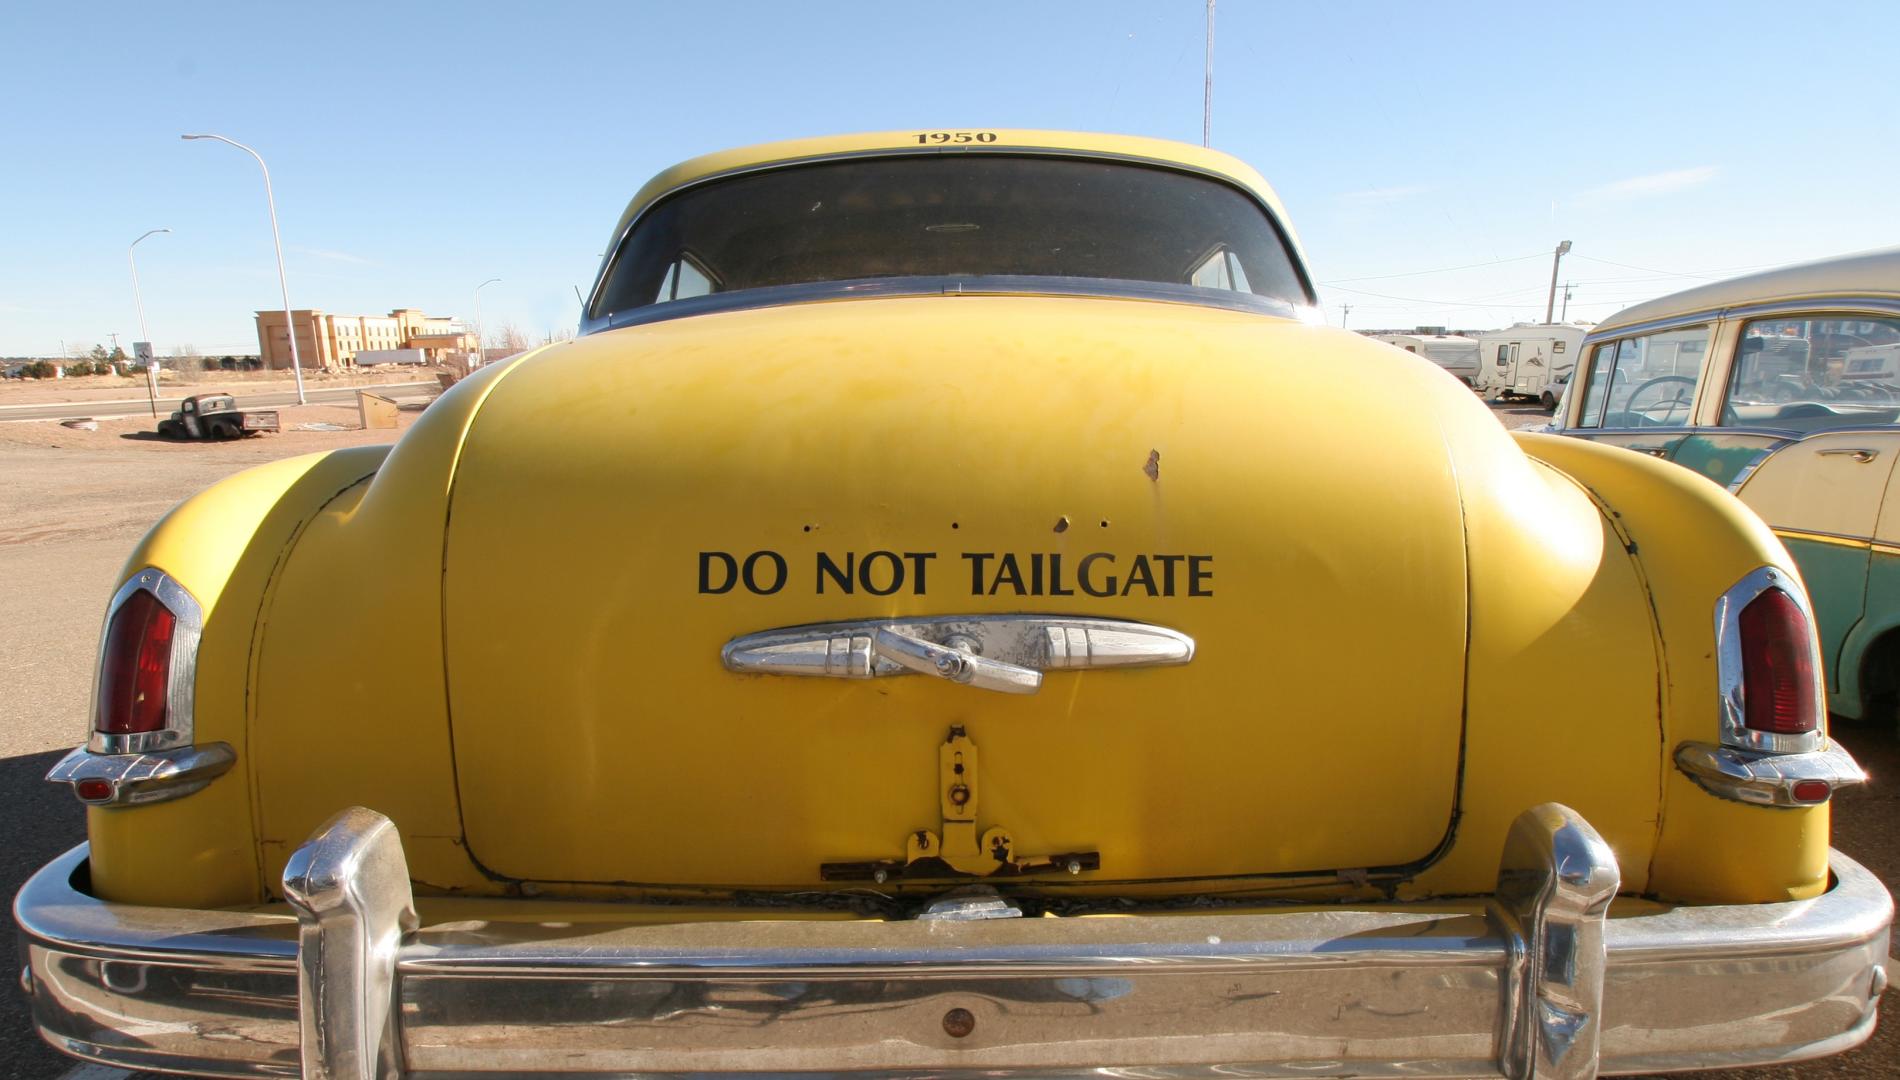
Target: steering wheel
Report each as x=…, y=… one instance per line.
x=1672, y=392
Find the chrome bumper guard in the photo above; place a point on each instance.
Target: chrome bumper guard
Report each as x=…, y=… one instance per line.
x=1535, y=981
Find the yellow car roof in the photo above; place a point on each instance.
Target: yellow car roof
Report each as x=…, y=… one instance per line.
x=981, y=140
x=1868, y=273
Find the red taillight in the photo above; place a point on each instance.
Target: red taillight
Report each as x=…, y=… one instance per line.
x=135, y=668
x=1778, y=687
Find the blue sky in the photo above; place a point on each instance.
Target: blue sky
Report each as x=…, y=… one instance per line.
x=420, y=148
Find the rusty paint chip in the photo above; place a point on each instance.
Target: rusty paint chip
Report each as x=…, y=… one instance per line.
x=1153, y=468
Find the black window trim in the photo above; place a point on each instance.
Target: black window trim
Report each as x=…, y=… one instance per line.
x=592, y=320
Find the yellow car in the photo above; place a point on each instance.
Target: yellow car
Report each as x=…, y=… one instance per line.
x=930, y=621
x=1783, y=387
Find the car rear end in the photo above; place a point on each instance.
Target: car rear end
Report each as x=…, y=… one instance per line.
x=970, y=673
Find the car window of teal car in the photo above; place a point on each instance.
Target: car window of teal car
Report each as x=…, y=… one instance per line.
x=1812, y=372
x=952, y=216
x=1651, y=383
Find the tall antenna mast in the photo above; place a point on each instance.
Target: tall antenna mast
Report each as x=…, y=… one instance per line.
x=1207, y=87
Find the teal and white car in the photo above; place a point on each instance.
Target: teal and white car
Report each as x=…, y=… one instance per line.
x=1784, y=387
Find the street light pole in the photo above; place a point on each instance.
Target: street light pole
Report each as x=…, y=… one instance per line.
x=480, y=358
x=151, y=366
x=1550, y=307
x=290, y=327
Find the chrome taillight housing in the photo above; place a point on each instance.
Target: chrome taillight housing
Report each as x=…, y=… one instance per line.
x=141, y=749
x=1768, y=665
x=1773, y=749
x=148, y=662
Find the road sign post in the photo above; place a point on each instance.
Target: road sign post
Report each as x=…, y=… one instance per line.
x=142, y=352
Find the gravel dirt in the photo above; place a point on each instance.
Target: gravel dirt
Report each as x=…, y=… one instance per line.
x=72, y=504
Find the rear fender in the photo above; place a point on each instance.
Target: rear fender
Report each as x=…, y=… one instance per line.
x=223, y=545
x=1691, y=541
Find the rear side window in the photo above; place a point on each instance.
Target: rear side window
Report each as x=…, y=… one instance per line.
x=951, y=216
x=1813, y=372
x=1645, y=381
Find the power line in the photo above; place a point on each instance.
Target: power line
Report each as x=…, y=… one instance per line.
x=1440, y=270
x=1432, y=302
x=1706, y=275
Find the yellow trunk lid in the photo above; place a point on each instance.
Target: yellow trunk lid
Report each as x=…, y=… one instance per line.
x=954, y=456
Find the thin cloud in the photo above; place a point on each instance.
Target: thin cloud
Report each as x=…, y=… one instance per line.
x=333, y=256
x=1382, y=195
x=1662, y=183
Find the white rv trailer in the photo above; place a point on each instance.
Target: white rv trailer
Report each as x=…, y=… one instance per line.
x=1458, y=355
x=1526, y=360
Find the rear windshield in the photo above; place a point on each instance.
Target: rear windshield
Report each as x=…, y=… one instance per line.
x=951, y=216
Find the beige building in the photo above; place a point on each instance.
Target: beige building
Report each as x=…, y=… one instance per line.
x=332, y=341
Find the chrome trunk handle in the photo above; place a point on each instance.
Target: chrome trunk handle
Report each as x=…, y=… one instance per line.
x=957, y=665
x=1004, y=653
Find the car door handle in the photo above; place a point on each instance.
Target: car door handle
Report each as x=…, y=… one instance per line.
x=1859, y=454
x=929, y=658
x=1656, y=451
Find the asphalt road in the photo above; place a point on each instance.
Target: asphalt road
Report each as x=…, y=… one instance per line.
x=101, y=410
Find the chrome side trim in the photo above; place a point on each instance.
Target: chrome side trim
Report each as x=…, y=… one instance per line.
x=995, y=652
x=1555, y=884
x=1767, y=779
x=137, y=779
x=1789, y=532
x=1388, y=989
x=184, y=662
x=1728, y=664
x=349, y=885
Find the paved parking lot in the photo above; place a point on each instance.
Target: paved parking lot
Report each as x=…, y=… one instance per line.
x=73, y=503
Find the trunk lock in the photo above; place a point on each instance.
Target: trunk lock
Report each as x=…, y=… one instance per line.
x=958, y=851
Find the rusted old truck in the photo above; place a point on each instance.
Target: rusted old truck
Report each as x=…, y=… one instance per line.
x=216, y=416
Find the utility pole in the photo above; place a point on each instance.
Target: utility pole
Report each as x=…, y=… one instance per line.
x=1565, y=317
x=1344, y=310
x=1550, y=306
x=115, y=341
x=1207, y=86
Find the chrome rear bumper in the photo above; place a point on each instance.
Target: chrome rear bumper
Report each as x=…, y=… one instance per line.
x=1534, y=981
